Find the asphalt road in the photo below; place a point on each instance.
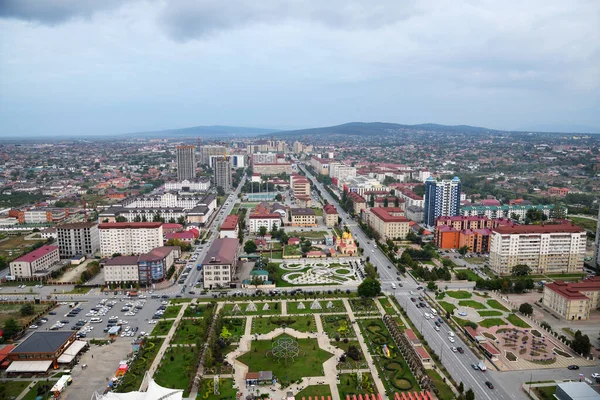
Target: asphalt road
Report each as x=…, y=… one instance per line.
x=459, y=365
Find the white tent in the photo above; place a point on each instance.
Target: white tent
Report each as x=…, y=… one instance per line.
x=154, y=392
x=71, y=351
x=29, y=366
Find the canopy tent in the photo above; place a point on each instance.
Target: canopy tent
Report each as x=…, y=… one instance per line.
x=71, y=351
x=29, y=366
x=154, y=392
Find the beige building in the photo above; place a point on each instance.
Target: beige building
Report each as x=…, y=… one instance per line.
x=573, y=301
x=359, y=203
x=389, y=222
x=122, y=269
x=547, y=249
x=330, y=215
x=219, y=265
x=129, y=238
x=272, y=169
x=320, y=165
x=303, y=217
x=35, y=262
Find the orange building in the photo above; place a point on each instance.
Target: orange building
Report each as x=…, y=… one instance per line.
x=471, y=231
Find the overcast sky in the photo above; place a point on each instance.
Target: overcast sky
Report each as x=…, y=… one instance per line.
x=81, y=67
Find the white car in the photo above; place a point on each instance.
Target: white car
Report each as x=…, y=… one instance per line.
x=437, y=328
x=596, y=375
x=454, y=349
x=34, y=326
x=451, y=333
x=153, y=321
x=451, y=339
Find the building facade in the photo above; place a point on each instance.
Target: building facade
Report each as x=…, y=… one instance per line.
x=596, y=262
x=220, y=264
x=303, y=217
x=36, y=261
x=388, y=222
x=573, y=301
x=223, y=174
x=358, y=202
x=78, y=239
x=153, y=266
x=186, y=163
x=207, y=151
x=129, y=238
x=188, y=186
x=442, y=198
x=123, y=269
x=507, y=211
x=330, y=215
x=272, y=169
x=230, y=227
x=547, y=249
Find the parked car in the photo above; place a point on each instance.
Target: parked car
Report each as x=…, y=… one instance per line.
x=460, y=350
x=573, y=367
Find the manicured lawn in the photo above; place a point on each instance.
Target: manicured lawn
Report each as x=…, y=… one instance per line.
x=134, y=376
x=337, y=325
x=290, y=250
x=475, y=260
x=308, y=363
x=226, y=390
x=387, y=306
x=489, y=313
x=292, y=307
x=319, y=212
x=267, y=324
x=235, y=325
x=42, y=388
x=545, y=392
x=585, y=223
x=363, y=306
x=180, y=300
x=190, y=331
x=471, y=276
x=171, y=311
x=307, y=234
x=459, y=294
x=489, y=322
x=10, y=389
x=313, y=391
x=274, y=308
x=473, y=304
x=349, y=386
x=274, y=254
x=203, y=310
x=79, y=290
x=175, y=368
x=445, y=393
x=162, y=328
x=516, y=321
x=496, y=304
x=447, y=306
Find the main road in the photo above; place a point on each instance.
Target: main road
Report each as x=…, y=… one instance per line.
x=458, y=365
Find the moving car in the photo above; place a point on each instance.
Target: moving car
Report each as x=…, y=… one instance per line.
x=460, y=350
x=573, y=367
x=451, y=339
x=475, y=367
x=489, y=384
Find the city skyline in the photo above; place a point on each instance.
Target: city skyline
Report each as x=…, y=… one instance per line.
x=87, y=68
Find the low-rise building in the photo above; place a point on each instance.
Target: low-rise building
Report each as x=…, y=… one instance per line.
x=153, y=266
x=123, y=269
x=358, y=202
x=230, y=228
x=265, y=215
x=303, y=217
x=272, y=169
x=36, y=263
x=573, y=301
x=220, y=264
x=40, y=351
x=547, y=248
x=129, y=238
x=330, y=215
x=388, y=222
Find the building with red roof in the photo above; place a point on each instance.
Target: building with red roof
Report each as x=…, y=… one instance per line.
x=330, y=215
x=573, y=300
x=389, y=222
x=545, y=248
x=359, y=202
x=169, y=228
x=230, y=227
x=35, y=264
x=186, y=237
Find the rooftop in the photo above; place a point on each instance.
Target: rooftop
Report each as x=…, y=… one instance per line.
x=36, y=254
x=329, y=209
x=303, y=211
x=130, y=225
x=222, y=251
x=158, y=253
x=43, y=342
x=77, y=225
x=572, y=291
x=384, y=214
x=122, y=260
x=539, y=229
x=230, y=223
x=578, y=391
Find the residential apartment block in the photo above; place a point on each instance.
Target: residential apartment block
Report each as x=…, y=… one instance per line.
x=358, y=202
x=207, y=151
x=153, y=266
x=78, y=239
x=129, y=238
x=303, y=217
x=320, y=165
x=272, y=169
x=473, y=232
x=330, y=215
x=573, y=301
x=188, y=186
x=186, y=163
x=504, y=211
x=442, y=198
x=35, y=264
x=547, y=249
x=123, y=269
x=219, y=265
x=388, y=222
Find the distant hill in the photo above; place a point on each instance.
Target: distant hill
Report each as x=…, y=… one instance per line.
x=204, y=131
x=379, y=128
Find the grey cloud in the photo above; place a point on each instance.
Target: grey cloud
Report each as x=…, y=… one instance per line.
x=188, y=19
x=52, y=12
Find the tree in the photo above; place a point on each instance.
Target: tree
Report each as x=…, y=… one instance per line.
x=225, y=334
x=250, y=247
x=520, y=270
x=372, y=201
x=27, y=309
x=526, y=309
x=262, y=231
x=278, y=197
x=463, y=250
x=369, y=288
x=220, y=191
x=581, y=344
x=533, y=215
x=10, y=328
x=514, y=216
x=172, y=220
x=120, y=218
x=181, y=220
x=469, y=395
x=431, y=285
x=461, y=387
x=529, y=284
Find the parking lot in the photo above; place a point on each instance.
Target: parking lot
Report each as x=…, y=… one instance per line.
x=91, y=324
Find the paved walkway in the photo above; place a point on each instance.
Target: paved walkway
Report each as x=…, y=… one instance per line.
x=164, y=346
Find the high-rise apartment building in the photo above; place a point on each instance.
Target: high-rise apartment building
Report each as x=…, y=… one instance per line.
x=546, y=249
x=129, y=238
x=442, y=198
x=223, y=174
x=78, y=239
x=186, y=163
x=210, y=150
